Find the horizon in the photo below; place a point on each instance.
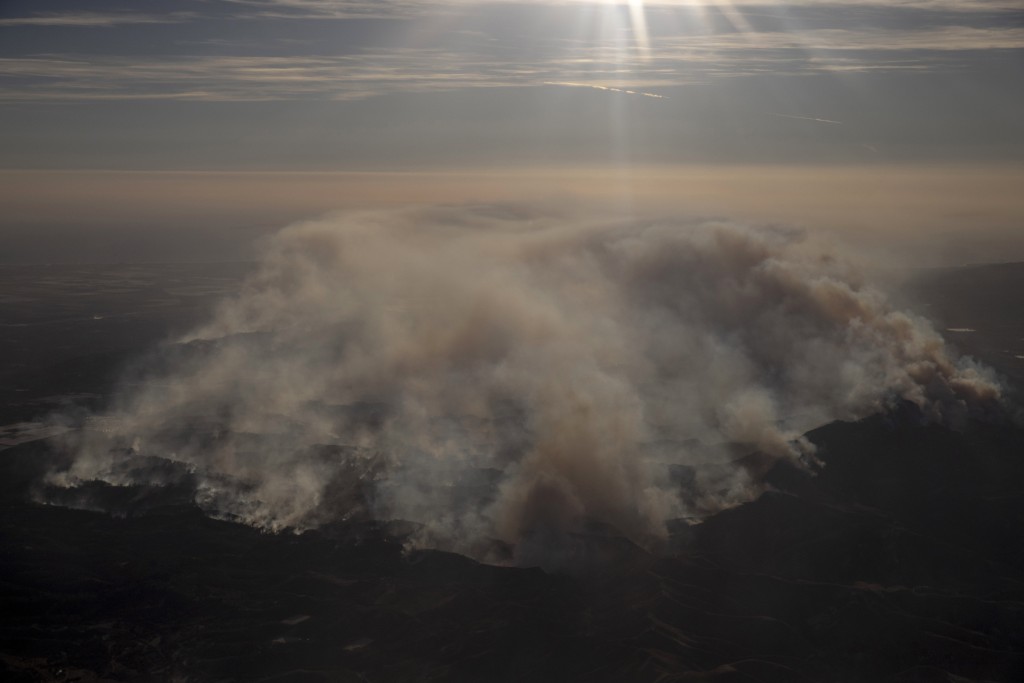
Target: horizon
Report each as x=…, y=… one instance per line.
x=420, y=101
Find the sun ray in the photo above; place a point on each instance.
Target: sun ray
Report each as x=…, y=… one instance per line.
x=638, y=24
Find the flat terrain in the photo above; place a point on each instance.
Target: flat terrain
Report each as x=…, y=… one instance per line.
x=68, y=332
x=980, y=309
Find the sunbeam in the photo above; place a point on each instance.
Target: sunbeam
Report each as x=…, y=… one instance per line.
x=638, y=24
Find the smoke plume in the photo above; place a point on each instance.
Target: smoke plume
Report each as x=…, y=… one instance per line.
x=508, y=374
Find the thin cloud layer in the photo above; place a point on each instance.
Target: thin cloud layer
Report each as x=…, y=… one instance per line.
x=96, y=19
x=671, y=62
x=510, y=374
x=416, y=47
x=326, y=9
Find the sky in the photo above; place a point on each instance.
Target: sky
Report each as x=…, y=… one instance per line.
x=184, y=130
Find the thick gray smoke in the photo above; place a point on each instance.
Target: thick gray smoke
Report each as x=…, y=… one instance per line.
x=502, y=373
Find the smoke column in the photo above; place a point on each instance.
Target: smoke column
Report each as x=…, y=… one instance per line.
x=509, y=373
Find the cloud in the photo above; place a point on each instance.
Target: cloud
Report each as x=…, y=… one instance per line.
x=239, y=78
x=606, y=88
x=96, y=19
x=876, y=39
x=348, y=9
x=513, y=373
x=673, y=61
x=333, y=9
x=804, y=118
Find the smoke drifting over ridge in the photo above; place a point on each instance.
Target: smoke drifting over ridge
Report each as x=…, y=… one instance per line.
x=506, y=373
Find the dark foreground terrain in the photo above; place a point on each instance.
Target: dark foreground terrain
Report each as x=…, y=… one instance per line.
x=902, y=560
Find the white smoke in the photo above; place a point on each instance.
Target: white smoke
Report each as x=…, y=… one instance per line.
x=503, y=373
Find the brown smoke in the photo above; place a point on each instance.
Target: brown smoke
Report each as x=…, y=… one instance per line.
x=496, y=372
